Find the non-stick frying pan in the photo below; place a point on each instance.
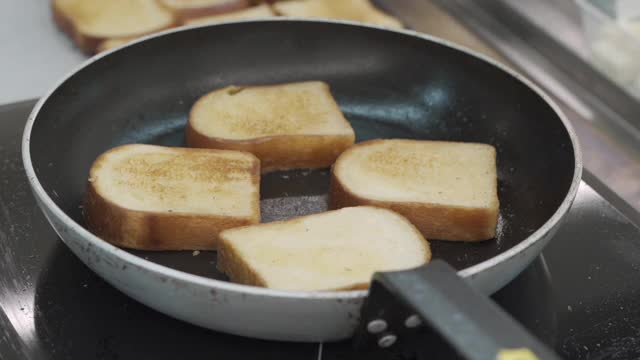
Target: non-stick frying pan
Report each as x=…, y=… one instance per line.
x=389, y=84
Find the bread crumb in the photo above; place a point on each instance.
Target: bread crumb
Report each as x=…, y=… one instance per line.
x=234, y=90
x=196, y=253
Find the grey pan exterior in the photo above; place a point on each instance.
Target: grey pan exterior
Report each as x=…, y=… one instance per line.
x=265, y=313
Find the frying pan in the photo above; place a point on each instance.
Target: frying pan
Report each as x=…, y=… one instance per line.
x=389, y=84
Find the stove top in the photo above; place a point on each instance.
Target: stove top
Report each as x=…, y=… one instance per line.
x=581, y=296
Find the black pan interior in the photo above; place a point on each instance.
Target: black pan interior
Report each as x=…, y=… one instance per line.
x=389, y=85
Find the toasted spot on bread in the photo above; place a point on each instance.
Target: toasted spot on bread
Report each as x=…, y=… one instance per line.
x=447, y=189
x=328, y=251
x=149, y=178
x=436, y=172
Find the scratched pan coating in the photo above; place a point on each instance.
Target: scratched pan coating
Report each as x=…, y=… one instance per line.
x=388, y=85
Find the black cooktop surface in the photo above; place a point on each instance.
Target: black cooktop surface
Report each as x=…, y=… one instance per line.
x=581, y=296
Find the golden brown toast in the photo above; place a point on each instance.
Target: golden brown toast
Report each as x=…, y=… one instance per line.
x=254, y=12
x=90, y=22
x=295, y=125
x=190, y=9
x=354, y=10
x=335, y=250
x=448, y=190
x=159, y=198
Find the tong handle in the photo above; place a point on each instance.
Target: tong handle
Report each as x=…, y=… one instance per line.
x=432, y=301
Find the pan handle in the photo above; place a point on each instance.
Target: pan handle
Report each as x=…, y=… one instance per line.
x=431, y=310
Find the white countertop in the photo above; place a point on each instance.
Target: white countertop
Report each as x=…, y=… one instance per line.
x=33, y=52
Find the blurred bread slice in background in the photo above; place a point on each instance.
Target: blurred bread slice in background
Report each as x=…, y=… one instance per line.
x=355, y=10
x=96, y=26
x=89, y=23
x=255, y=12
x=189, y=9
x=113, y=43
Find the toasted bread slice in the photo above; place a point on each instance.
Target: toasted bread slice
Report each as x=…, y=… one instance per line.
x=335, y=250
x=295, y=125
x=448, y=190
x=89, y=22
x=354, y=10
x=254, y=12
x=190, y=9
x=159, y=198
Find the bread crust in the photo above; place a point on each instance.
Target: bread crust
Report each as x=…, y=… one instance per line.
x=278, y=152
x=230, y=263
x=435, y=221
x=274, y=152
x=149, y=230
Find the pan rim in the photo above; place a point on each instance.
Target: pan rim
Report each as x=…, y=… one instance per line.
x=147, y=265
